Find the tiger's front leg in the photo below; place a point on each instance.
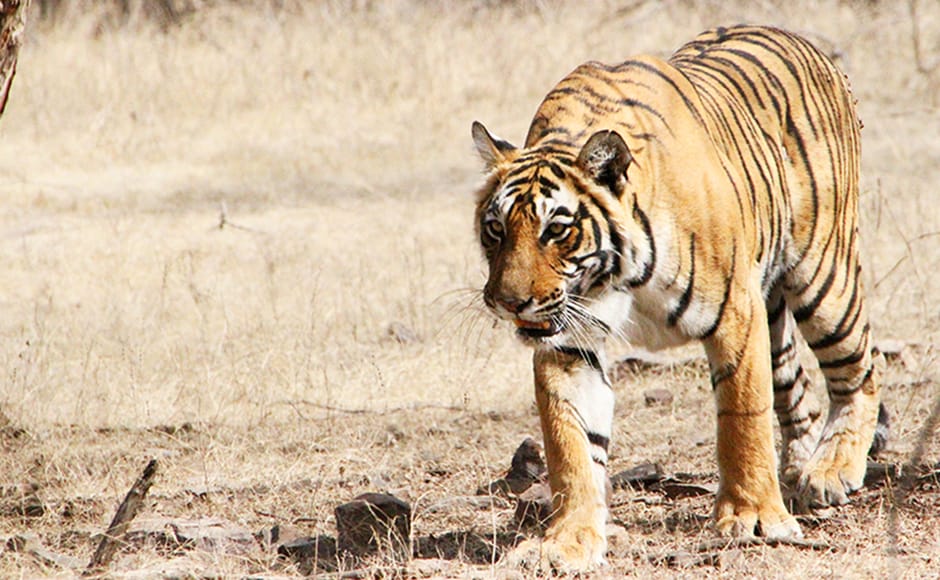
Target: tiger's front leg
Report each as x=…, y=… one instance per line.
x=576, y=406
x=749, y=498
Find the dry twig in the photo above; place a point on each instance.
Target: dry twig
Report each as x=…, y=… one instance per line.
x=122, y=519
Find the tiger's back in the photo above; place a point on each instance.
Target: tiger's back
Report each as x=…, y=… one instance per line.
x=775, y=104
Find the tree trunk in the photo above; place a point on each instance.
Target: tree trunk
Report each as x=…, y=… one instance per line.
x=12, y=24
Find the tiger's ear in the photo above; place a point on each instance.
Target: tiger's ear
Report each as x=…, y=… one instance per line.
x=605, y=158
x=494, y=151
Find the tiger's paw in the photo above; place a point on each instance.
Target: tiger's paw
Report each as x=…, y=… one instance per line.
x=837, y=467
x=795, y=453
x=834, y=472
x=567, y=551
x=772, y=521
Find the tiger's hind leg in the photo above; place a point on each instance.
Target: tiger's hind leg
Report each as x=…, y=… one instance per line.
x=829, y=308
x=796, y=408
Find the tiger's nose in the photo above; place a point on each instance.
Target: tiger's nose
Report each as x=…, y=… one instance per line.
x=514, y=305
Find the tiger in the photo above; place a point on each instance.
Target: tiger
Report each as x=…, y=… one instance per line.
x=710, y=197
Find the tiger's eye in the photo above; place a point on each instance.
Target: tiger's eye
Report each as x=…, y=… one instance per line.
x=556, y=229
x=493, y=228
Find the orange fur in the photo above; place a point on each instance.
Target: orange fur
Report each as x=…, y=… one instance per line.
x=712, y=197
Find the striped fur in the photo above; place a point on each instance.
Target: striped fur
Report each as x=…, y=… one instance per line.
x=712, y=197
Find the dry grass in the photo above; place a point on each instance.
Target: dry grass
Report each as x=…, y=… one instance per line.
x=338, y=141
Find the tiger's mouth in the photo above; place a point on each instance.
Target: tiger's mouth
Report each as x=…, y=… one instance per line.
x=538, y=329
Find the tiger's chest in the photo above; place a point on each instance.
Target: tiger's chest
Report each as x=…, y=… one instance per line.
x=638, y=318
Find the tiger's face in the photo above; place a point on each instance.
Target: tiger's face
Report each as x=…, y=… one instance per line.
x=548, y=232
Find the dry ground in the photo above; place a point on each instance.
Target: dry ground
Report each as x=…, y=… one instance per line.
x=255, y=359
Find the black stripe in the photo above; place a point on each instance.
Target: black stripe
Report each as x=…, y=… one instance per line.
x=792, y=405
x=648, y=232
x=724, y=301
x=588, y=356
x=803, y=313
x=774, y=314
x=547, y=184
x=655, y=71
x=723, y=373
x=845, y=392
x=788, y=385
x=842, y=329
x=790, y=421
x=775, y=356
x=686, y=297
x=556, y=171
x=517, y=182
x=844, y=361
x=599, y=440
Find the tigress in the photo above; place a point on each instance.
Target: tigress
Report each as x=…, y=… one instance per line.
x=710, y=197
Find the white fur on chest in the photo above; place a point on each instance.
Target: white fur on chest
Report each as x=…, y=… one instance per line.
x=634, y=322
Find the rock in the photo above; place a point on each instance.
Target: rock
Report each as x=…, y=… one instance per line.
x=655, y=397
x=639, y=477
x=311, y=553
x=534, y=506
x=278, y=534
x=526, y=468
x=21, y=499
x=208, y=534
x=374, y=522
x=179, y=568
x=430, y=568
x=527, y=461
x=676, y=489
x=882, y=434
x=29, y=544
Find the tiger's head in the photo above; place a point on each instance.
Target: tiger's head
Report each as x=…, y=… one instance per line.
x=551, y=221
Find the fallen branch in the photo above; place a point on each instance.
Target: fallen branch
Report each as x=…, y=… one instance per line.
x=12, y=24
x=726, y=543
x=709, y=553
x=122, y=519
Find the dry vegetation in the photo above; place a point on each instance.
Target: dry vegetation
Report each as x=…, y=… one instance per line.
x=207, y=229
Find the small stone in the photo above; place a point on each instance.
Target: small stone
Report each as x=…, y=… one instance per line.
x=310, y=553
x=30, y=544
x=677, y=490
x=429, y=567
x=534, y=506
x=654, y=397
x=526, y=468
x=278, y=534
x=21, y=499
x=374, y=522
x=208, y=534
x=527, y=461
x=640, y=476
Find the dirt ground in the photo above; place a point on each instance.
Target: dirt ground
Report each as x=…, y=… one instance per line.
x=241, y=243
